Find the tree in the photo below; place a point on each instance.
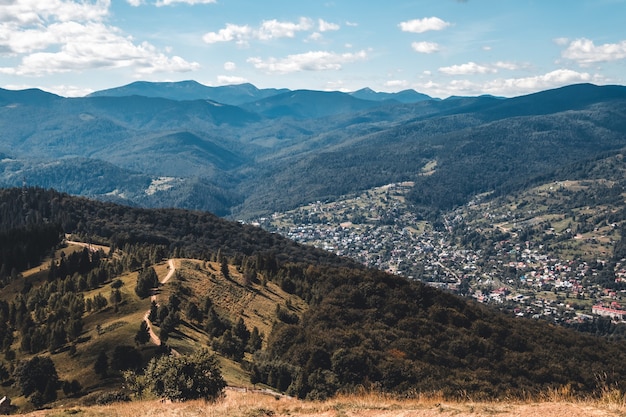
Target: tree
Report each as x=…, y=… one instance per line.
x=37, y=375
x=181, y=378
x=125, y=358
x=154, y=308
x=143, y=334
x=224, y=268
x=101, y=367
x=193, y=313
x=241, y=331
x=256, y=340
x=146, y=281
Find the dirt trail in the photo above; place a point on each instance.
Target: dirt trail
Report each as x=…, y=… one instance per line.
x=154, y=338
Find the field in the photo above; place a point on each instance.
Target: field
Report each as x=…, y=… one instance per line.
x=253, y=404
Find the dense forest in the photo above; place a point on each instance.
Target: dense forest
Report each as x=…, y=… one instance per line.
x=363, y=328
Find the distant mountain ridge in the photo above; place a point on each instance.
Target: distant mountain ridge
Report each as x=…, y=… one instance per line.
x=235, y=94
x=288, y=147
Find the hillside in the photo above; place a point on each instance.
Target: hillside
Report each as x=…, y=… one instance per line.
x=282, y=149
x=320, y=324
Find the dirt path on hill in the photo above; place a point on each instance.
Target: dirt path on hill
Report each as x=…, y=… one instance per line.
x=154, y=338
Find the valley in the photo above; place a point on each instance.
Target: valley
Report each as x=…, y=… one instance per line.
x=535, y=254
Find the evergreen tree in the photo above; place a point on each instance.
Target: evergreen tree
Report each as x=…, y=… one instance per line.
x=143, y=334
x=101, y=367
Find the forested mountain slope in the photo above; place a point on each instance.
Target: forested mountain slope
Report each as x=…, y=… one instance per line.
x=361, y=328
x=286, y=148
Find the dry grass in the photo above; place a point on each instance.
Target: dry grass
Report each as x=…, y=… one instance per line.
x=255, y=404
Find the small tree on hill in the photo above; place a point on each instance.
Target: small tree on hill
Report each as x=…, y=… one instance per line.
x=101, y=367
x=181, y=378
x=146, y=281
x=143, y=334
x=38, y=378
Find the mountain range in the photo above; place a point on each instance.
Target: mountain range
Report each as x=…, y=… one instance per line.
x=240, y=151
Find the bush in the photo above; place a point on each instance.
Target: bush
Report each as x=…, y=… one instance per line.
x=181, y=378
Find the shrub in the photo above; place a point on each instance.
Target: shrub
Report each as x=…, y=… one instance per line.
x=181, y=378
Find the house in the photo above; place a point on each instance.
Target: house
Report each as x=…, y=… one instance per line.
x=614, y=313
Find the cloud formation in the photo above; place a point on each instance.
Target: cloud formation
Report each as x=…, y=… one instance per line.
x=466, y=69
x=425, y=47
x=423, y=25
x=190, y=2
x=267, y=30
x=58, y=36
x=507, y=86
x=472, y=68
x=585, y=52
x=308, y=61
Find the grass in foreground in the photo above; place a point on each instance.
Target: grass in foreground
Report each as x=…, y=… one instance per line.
x=255, y=404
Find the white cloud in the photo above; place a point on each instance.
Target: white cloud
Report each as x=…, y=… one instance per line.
x=553, y=79
x=269, y=29
x=231, y=32
x=60, y=36
x=425, y=47
x=22, y=13
x=308, y=61
x=511, y=66
x=160, y=3
x=585, y=52
x=507, y=86
x=561, y=41
x=466, y=69
x=423, y=25
x=352, y=24
x=230, y=66
x=324, y=26
x=397, y=83
x=230, y=79
x=135, y=3
x=315, y=36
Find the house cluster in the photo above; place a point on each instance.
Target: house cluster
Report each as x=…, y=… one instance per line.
x=378, y=230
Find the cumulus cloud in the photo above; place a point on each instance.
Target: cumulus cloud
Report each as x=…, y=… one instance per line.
x=585, y=52
x=230, y=66
x=472, y=68
x=553, y=79
x=511, y=66
x=423, y=25
x=161, y=3
x=231, y=32
x=268, y=29
x=467, y=69
x=397, y=84
x=507, y=86
x=60, y=36
x=230, y=79
x=425, y=47
x=324, y=26
x=308, y=61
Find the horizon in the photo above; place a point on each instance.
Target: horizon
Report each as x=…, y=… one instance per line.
x=304, y=89
x=503, y=48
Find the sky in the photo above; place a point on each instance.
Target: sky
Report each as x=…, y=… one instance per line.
x=437, y=47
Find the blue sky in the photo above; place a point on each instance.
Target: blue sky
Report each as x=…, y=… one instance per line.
x=437, y=47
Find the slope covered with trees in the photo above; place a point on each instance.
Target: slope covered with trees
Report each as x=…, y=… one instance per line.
x=361, y=328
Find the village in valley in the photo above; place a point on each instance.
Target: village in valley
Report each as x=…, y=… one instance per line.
x=524, y=257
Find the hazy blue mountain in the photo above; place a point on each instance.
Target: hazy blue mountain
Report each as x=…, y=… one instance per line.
x=305, y=104
x=300, y=146
x=404, y=96
x=191, y=90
